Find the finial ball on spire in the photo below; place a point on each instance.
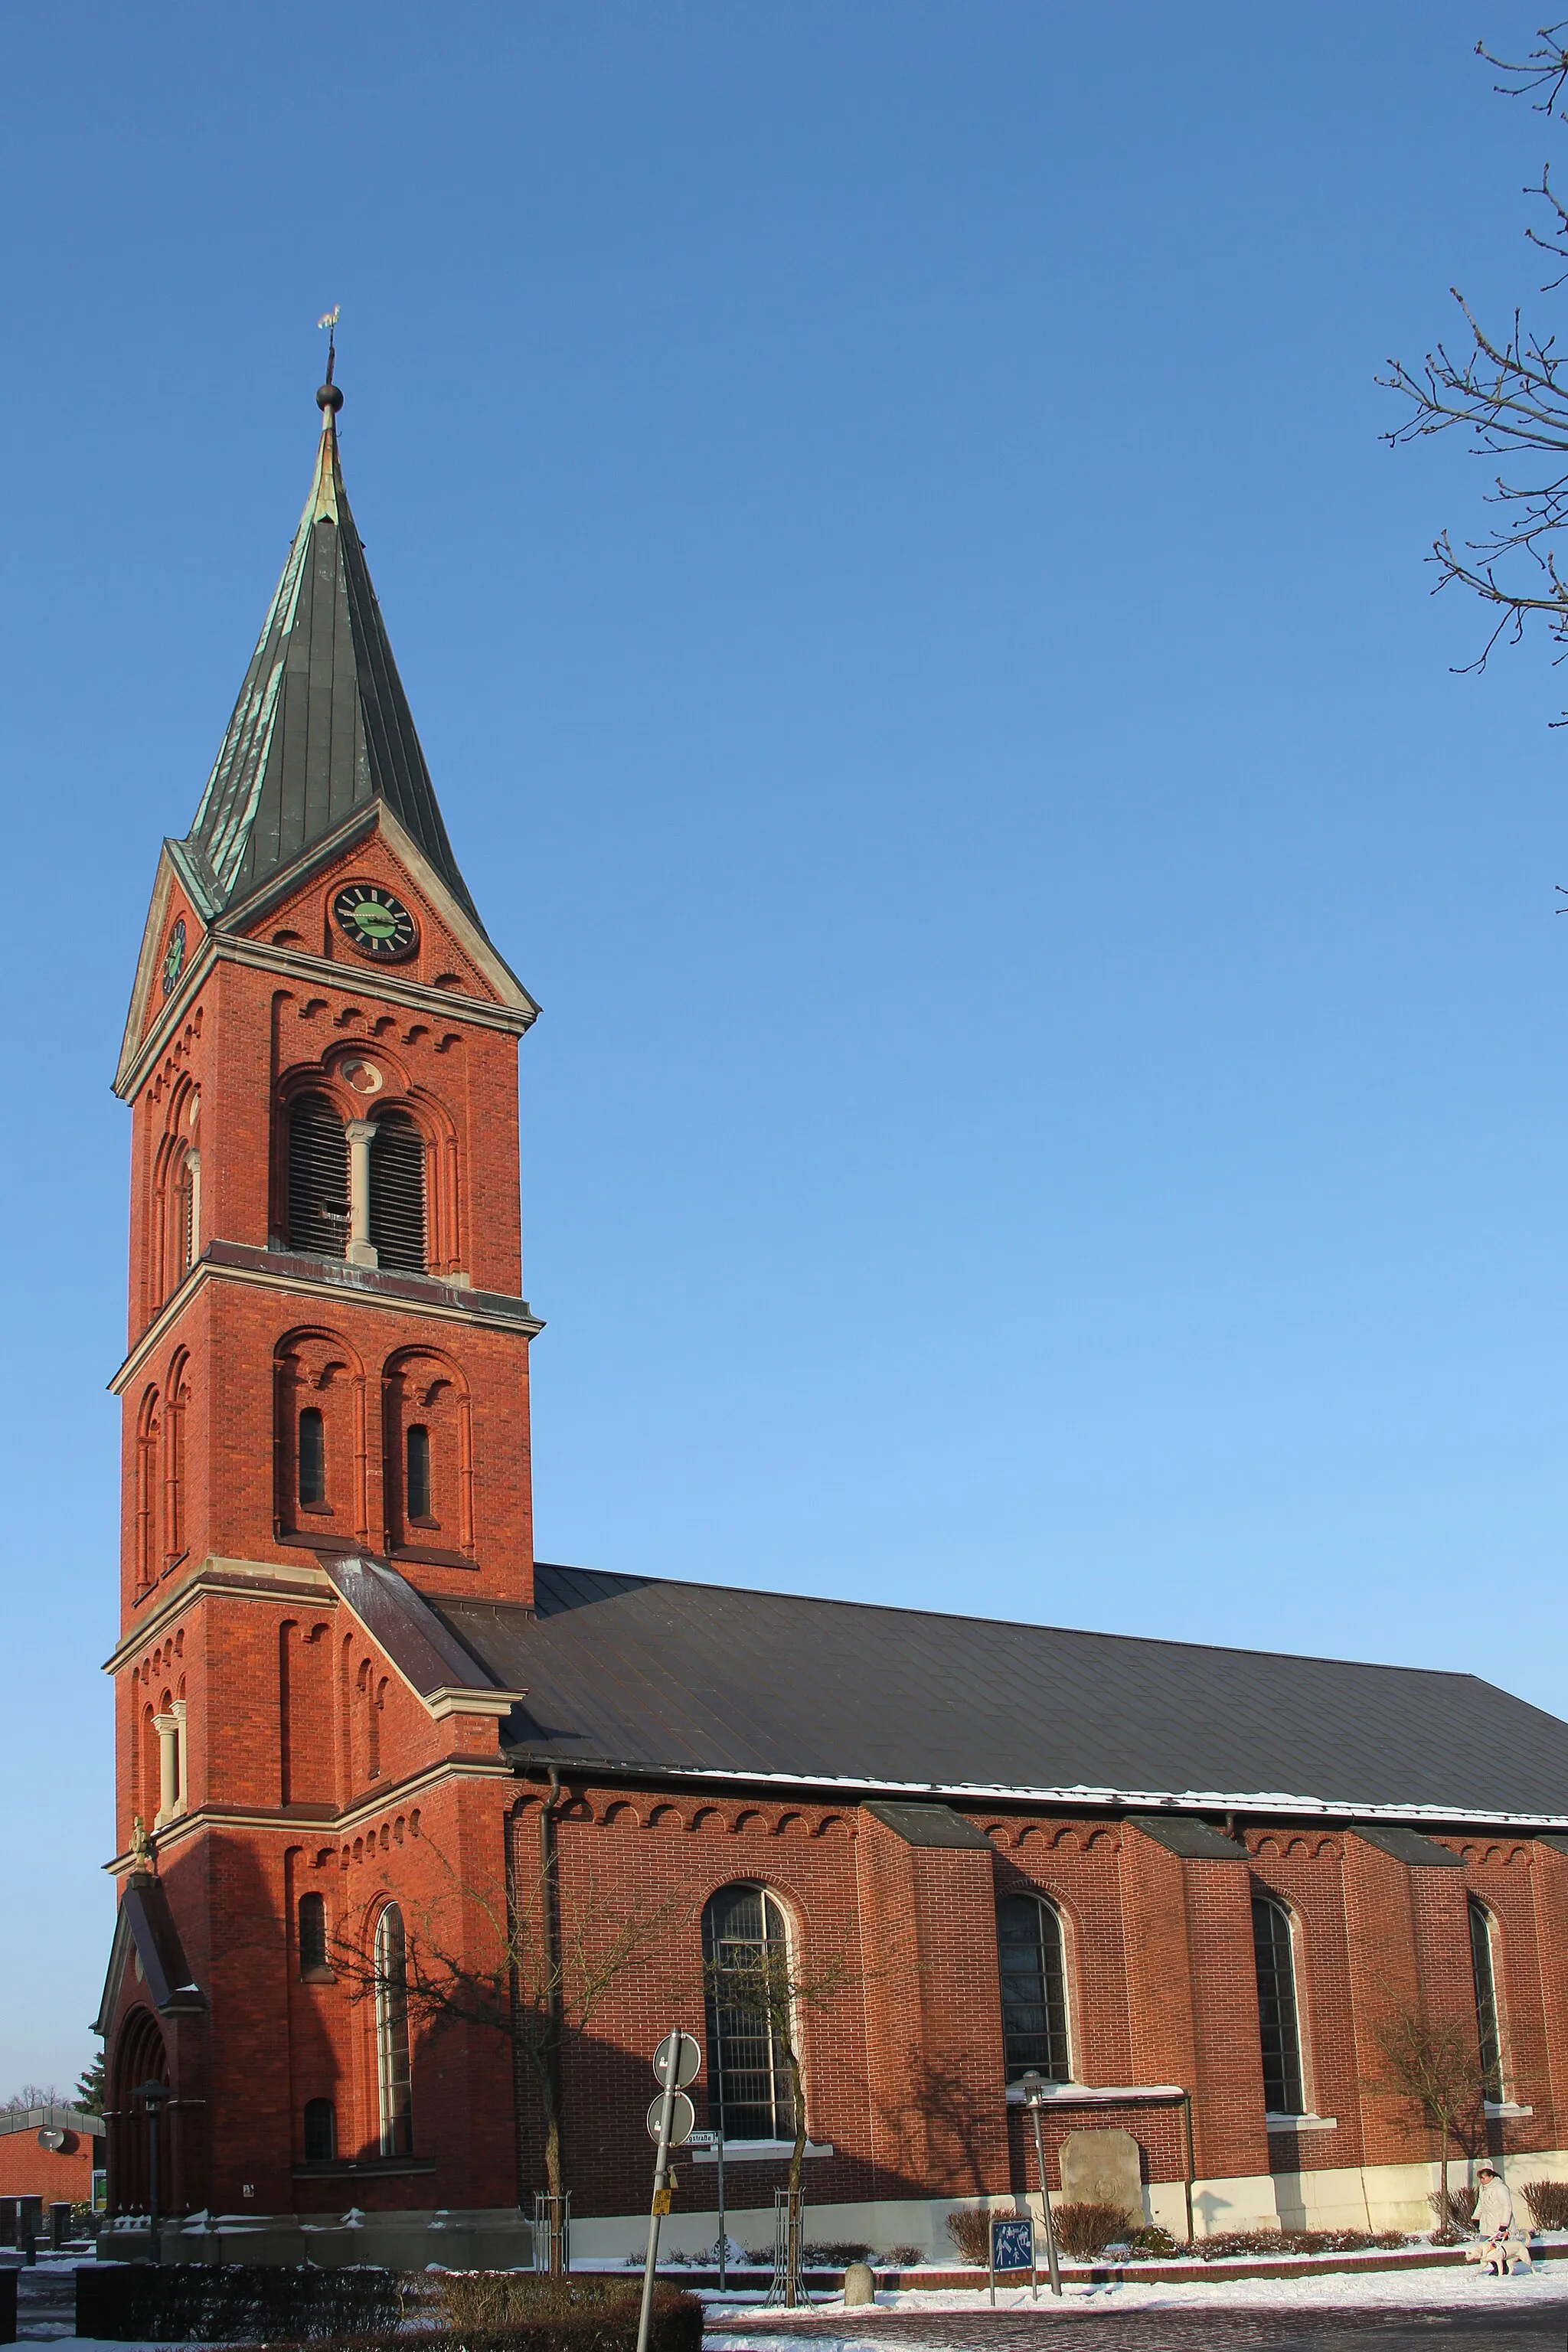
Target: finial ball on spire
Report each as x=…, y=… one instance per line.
x=329, y=396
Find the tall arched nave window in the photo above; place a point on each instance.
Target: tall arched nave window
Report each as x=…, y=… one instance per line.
x=745, y=1952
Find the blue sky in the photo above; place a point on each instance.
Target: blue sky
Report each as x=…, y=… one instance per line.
x=1049, y=1100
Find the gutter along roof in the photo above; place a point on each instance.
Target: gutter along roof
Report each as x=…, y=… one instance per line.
x=636, y=1675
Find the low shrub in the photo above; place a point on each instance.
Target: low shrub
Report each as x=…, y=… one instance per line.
x=589, y=2324
x=492, y=2303
x=1241, y=2246
x=1454, y=2208
x=1085, y=2229
x=834, y=2253
x=1151, y=2244
x=971, y=2233
x=181, y=2303
x=902, y=2258
x=364, y=2310
x=1548, y=2203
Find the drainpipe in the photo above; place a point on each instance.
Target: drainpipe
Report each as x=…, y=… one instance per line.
x=1188, y=2121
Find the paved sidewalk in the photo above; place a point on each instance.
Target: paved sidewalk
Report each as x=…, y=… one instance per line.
x=1523, y=2330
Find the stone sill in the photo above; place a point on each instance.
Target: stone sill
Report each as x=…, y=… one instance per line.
x=1504, y=2108
x=758, y=2151
x=1300, y=2122
x=373, y=2168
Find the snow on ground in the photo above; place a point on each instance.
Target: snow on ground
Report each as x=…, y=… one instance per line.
x=1455, y=2286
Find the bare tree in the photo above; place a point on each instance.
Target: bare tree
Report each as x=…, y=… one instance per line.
x=1507, y=393
x=530, y=1966
x=1433, y=2070
x=779, y=1987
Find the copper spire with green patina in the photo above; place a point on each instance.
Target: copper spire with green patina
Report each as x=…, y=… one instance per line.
x=322, y=726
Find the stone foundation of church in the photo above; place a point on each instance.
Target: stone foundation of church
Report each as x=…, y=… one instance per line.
x=1373, y=2197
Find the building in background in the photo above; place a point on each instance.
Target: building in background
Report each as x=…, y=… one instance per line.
x=50, y=2153
x=1191, y=1888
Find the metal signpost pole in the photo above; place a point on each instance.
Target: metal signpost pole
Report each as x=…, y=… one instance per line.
x=675, y=2064
x=1034, y=2088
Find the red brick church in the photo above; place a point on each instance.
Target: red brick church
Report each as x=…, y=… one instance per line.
x=1187, y=1885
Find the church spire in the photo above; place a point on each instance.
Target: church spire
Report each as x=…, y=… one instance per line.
x=322, y=726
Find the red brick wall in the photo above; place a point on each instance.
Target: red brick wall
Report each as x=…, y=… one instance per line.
x=56, y=2176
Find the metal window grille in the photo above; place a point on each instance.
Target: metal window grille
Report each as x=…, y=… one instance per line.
x=318, y=1178
x=1279, y=2023
x=1484, y=1973
x=320, y=2131
x=392, y=2034
x=312, y=1932
x=1034, y=1988
x=397, y=1194
x=418, y=1471
x=745, y=1944
x=313, y=1456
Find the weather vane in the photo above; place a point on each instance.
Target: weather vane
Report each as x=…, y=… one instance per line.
x=328, y=319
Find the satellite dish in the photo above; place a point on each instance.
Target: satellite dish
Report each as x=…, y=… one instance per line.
x=52, y=2138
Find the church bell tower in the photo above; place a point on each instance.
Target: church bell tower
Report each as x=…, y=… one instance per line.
x=325, y=1393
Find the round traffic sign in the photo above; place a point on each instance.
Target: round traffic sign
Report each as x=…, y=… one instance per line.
x=682, y=2118
x=676, y=2061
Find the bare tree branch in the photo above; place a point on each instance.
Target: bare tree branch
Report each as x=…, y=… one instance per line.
x=532, y=1968
x=1509, y=397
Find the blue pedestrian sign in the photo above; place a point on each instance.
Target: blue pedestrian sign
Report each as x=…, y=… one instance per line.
x=1013, y=2249
x=1012, y=2245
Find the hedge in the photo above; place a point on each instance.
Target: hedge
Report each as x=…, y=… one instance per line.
x=355, y=2309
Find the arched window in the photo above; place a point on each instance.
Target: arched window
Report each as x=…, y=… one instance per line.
x=185, y=1218
x=397, y=1194
x=392, y=2034
x=313, y=1456
x=1483, y=1971
x=1034, y=1988
x=312, y=1936
x=320, y=2131
x=1278, y=2022
x=418, y=1488
x=149, y=1438
x=318, y=1178
x=745, y=1952
x=175, y=1469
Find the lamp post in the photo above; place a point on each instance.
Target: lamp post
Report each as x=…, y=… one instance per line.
x=1034, y=2089
x=155, y=2097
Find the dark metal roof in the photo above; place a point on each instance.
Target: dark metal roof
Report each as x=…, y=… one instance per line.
x=322, y=726
x=634, y=1675
x=1408, y=1846
x=420, y=1645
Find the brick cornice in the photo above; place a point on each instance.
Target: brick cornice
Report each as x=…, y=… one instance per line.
x=320, y=971
x=241, y=1262
x=324, y=1821
x=241, y=1579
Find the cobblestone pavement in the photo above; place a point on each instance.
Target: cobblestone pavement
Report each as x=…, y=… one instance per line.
x=1174, y=2331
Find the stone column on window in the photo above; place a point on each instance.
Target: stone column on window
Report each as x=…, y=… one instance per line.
x=194, y=1162
x=167, y=1727
x=361, y=1249
x=182, y=1784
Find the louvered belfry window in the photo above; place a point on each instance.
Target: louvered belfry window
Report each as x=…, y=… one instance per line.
x=318, y=1178
x=397, y=1194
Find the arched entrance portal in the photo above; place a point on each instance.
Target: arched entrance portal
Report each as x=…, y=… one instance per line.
x=140, y=2056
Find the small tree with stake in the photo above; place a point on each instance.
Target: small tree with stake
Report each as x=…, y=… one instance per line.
x=1507, y=395
x=532, y=1971
x=1433, y=2070
x=773, y=1986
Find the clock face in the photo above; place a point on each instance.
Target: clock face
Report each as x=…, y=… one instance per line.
x=174, y=957
x=375, y=922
